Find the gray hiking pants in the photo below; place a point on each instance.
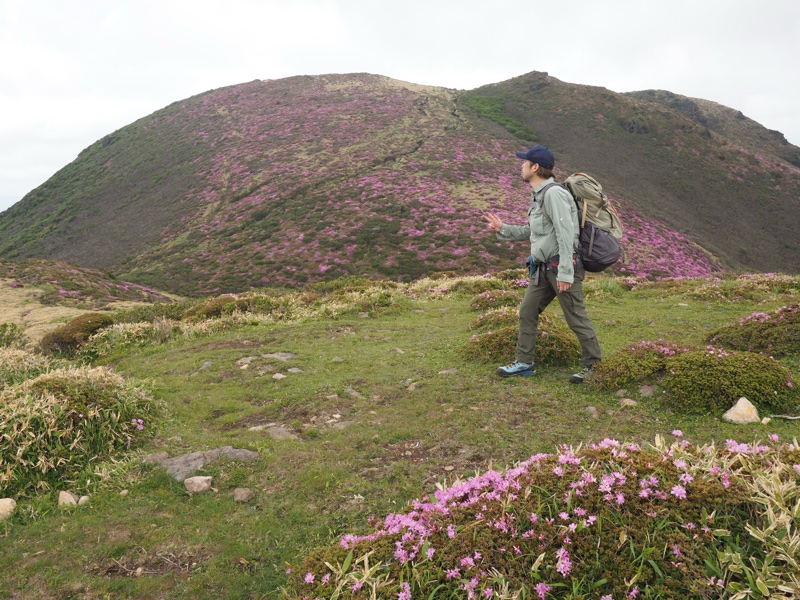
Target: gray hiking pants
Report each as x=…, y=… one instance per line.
x=537, y=298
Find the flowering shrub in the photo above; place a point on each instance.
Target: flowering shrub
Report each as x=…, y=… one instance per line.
x=711, y=379
x=70, y=337
x=495, y=299
x=610, y=520
x=53, y=426
x=642, y=362
x=776, y=333
x=555, y=344
x=11, y=335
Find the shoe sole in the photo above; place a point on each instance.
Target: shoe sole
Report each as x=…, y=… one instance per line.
x=518, y=374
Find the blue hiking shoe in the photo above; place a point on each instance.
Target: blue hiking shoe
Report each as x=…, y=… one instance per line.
x=585, y=374
x=518, y=368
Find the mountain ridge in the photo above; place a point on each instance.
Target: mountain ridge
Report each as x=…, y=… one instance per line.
x=281, y=182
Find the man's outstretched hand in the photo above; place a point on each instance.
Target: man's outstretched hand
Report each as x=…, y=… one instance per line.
x=495, y=222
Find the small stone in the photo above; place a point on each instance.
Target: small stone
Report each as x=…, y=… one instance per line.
x=67, y=499
x=197, y=484
x=284, y=356
x=351, y=392
x=399, y=350
x=243, y=363
x=363, y=315
x=7, y=506
x=621, y=393
x=593, y=412
x=138, y=572
x=742, y=413
x=449, y=468
x=279, y=376
x=647, y=390
x=765, y=420
x=295, y=370
x=123, y=492
x=337, y=359
x=243, y=495
x=83, y=500
x=281, y=433
x=156, y=458
x=205, y=365
x=450, y=371
x=627, y=402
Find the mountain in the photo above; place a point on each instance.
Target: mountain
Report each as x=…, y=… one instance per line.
x=313, y=177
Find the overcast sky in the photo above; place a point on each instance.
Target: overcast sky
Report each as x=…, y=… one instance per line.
x=73, y=71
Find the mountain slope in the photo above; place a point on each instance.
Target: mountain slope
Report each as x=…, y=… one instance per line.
x=306, y=178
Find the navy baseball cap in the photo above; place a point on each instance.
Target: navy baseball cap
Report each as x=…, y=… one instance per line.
x=539, y=155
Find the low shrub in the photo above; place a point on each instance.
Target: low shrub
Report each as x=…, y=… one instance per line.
x=642, y=362
x=711, y=380
x=56, y=425
x=751, y=286
x=69, y=338
x=147, y=313
x=505, y=316
x=17, y=366
x=211, y=308
x=495, y=299
x=555, y=344
x=609, y=520
x=349, y=284
x=776, y=333
x=12, y=335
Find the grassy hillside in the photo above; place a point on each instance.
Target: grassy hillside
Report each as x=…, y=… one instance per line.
x=378, y=405
x=311, y=178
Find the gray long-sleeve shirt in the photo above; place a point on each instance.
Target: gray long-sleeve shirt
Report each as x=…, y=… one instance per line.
x=557, y=234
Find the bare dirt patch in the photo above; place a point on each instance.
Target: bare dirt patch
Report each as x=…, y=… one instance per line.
x=164, y=560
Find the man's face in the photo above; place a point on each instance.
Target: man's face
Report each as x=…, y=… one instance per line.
x=527, y=171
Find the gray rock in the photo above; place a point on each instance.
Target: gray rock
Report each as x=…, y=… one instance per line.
x=351, y=392
x=742, y=413
x=197, y=484
x=337, y=359
x=278, y=376
x=450, y=371
x=83, y=500
x=626, y=402
x=280, y=433
x=7, y=506
x=342, y=424
x=284, y=356
x=67, y=499
x=205, y=365
x=647, y=390
x=181, y=467
x=243, y=495
x=592, y=412
x=294, y=370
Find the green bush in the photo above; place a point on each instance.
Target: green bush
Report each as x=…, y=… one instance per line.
x=711, y=380
x=642, y=362
x=495, y=299
x=608, y=520
x=149, y=313
x=776, y=333
x=69, y=338
x=505, y=316
x=56, y=425
x=12, y=335
x=555, y=344
x=211, y=308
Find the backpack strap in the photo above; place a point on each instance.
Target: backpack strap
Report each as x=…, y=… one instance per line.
x=582, y=211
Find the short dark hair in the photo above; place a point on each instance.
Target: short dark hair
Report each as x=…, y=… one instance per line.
x=545, y=173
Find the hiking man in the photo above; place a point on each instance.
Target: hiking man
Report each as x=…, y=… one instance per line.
x=555, y=270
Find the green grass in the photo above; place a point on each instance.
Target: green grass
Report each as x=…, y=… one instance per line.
x=412, y=412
